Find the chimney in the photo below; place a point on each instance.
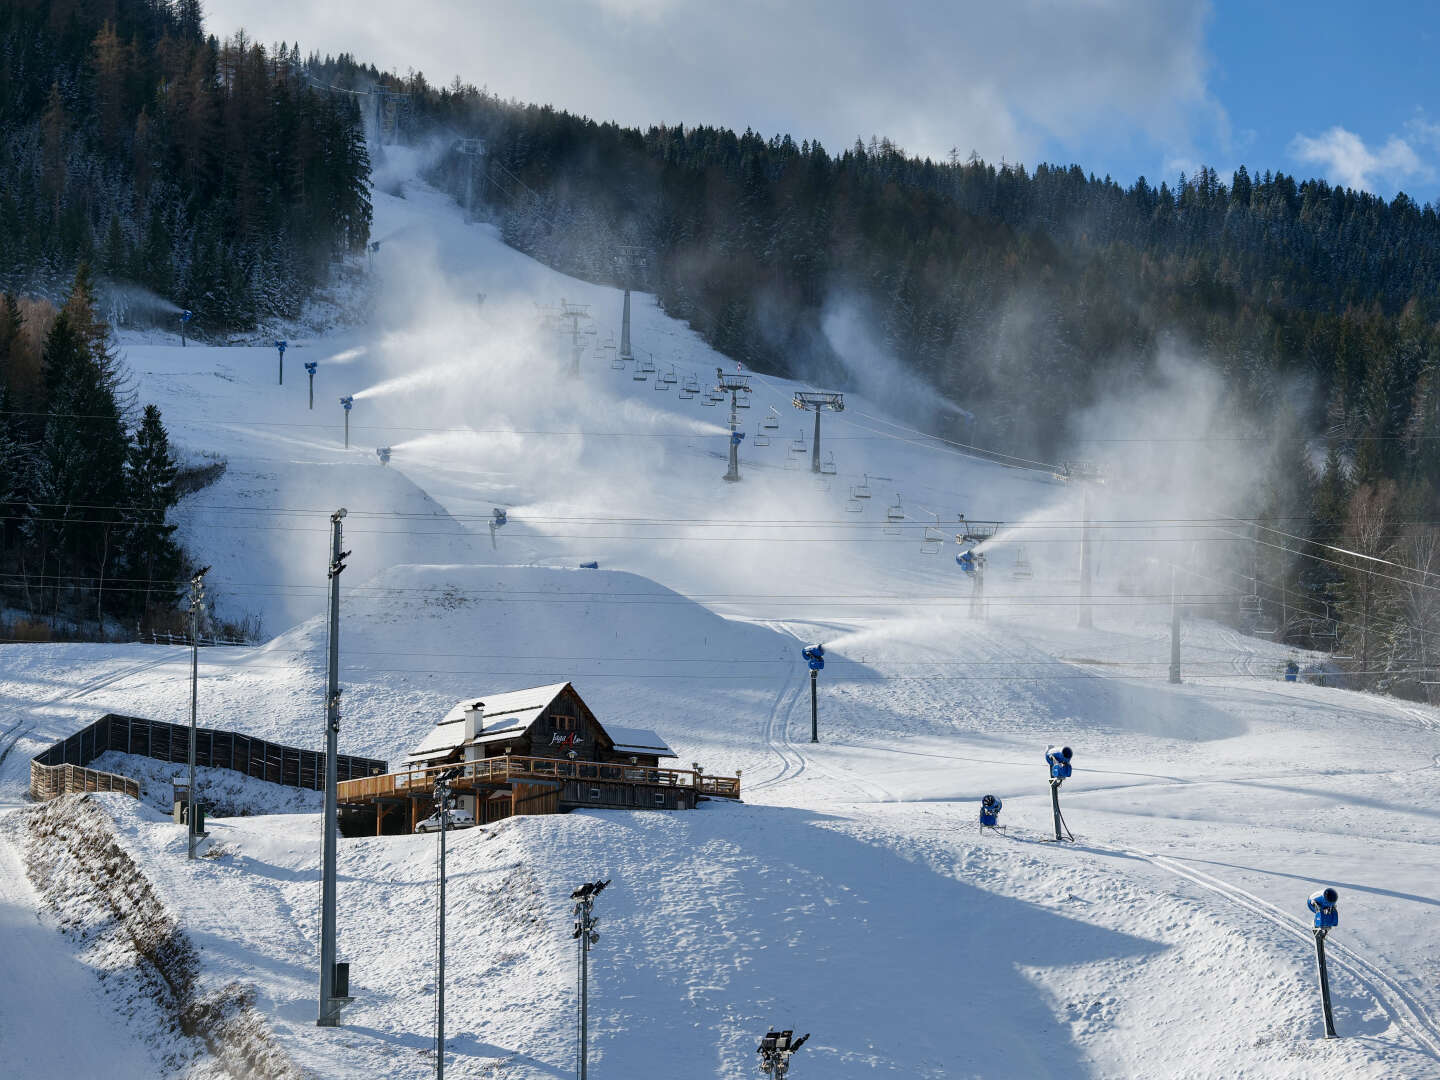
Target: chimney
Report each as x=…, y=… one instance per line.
x=474, y=720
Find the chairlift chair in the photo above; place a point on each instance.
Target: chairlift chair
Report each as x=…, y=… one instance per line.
x=894, y=515
x=1250, y=606
x=641, y=375
x=686, y=393
x=771, y=421
x=854, y=506
x=827, y=467
x=798, y=445
x=617, y=362
x=932, y=541
x=647, y=365
x=709, y=402
x=661, y=384
x=761, y=439
x=861, y=490
x=670, y=378
x=742, y=401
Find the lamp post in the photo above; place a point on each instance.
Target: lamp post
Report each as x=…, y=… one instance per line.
x=197, y=603
x=586, y=935
x=280, y=347
x=310, y=366
x=776, y=1050
x=349, y=403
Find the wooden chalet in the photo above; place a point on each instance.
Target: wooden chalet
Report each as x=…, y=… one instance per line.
x=535, y=751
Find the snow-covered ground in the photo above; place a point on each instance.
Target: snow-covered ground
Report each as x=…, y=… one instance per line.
x=850, y=895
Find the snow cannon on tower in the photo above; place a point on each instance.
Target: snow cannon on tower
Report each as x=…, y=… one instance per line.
x=1325, y=904
x=1058, y=758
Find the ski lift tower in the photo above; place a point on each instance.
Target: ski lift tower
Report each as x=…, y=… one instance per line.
x=1086, y=474
x=975, y=532
x=473, y=150
x=733, y=384
x=818, y=403
x=392, y=112
x=573, y=313
x=630, y=260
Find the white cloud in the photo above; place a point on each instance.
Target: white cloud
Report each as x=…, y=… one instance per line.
x=1349, y=162
x=1002, y=78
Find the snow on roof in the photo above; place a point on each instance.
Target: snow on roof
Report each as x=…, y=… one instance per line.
x=505, y=715
x=630, y=740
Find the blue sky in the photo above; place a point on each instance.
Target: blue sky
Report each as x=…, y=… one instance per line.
x=1126, y=87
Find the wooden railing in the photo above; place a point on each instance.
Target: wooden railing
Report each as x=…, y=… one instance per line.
x=52, y=781
x=501, y=770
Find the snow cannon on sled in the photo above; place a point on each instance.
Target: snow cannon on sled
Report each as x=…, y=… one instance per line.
x=990, y=812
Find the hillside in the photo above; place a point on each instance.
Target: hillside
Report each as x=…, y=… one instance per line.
x=849, y=895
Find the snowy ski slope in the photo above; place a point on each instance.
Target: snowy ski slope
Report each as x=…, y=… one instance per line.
x=850, y=895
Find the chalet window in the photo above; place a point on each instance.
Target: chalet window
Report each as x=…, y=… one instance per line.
x=566, y=723
x=594, y=793
x=659, y=798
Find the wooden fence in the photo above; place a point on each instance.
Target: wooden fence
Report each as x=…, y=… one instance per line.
x=264, y=760
x=52, y=781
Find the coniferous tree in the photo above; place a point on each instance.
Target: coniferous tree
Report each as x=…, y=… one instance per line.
x=153, y=559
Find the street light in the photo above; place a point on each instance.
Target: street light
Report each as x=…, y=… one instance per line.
x=776, y=1049
x=586, y=934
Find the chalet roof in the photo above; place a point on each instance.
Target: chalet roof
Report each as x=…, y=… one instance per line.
x=630, y=740
x=506, y=716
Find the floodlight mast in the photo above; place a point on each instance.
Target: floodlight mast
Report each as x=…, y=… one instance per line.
x=332, y=996
x=197, y=604
x=733, y=385
x=818, y=403
x=586, y=935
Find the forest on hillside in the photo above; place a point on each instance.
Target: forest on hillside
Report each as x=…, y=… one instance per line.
x=211, y=173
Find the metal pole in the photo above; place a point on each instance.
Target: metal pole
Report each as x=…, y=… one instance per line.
x=585, y=1000
x=734, y=471
x=197, y=596
x=815, y=450
x=977, y=594
x=312, y=390
x=347, y=429
x=1324, y=982
x=1055, y=805
x=814, y=716
x=330, y=1009
x=1174, y=629
x=443, y=799
x=625, y=353
x=282, y=366
x=1087, y=617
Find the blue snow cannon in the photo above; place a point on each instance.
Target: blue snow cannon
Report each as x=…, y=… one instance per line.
x=282, y=346
x=186, y=315
x=1325, y=904
x=498, y=516
x=1292, y=671
x=990, y=811
x=348, y=401
x=966, y=561
x=814, y=656
x=1058, y=758
x=383, y=453
x=590, y=566
x=310, y=366
x=736, y=438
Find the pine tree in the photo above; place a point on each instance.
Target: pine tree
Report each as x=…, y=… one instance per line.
x=151, y=554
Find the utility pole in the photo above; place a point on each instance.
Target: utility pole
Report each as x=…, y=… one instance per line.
x=197, y=603
x=310, y=366
x=1174, y=629
x=586, y=935
x=442, y=804
x=733, y=385
x=1087, y=613
x=818, y=403
x=333, y=995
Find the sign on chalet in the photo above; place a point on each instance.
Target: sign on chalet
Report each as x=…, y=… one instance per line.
x=536, y=751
